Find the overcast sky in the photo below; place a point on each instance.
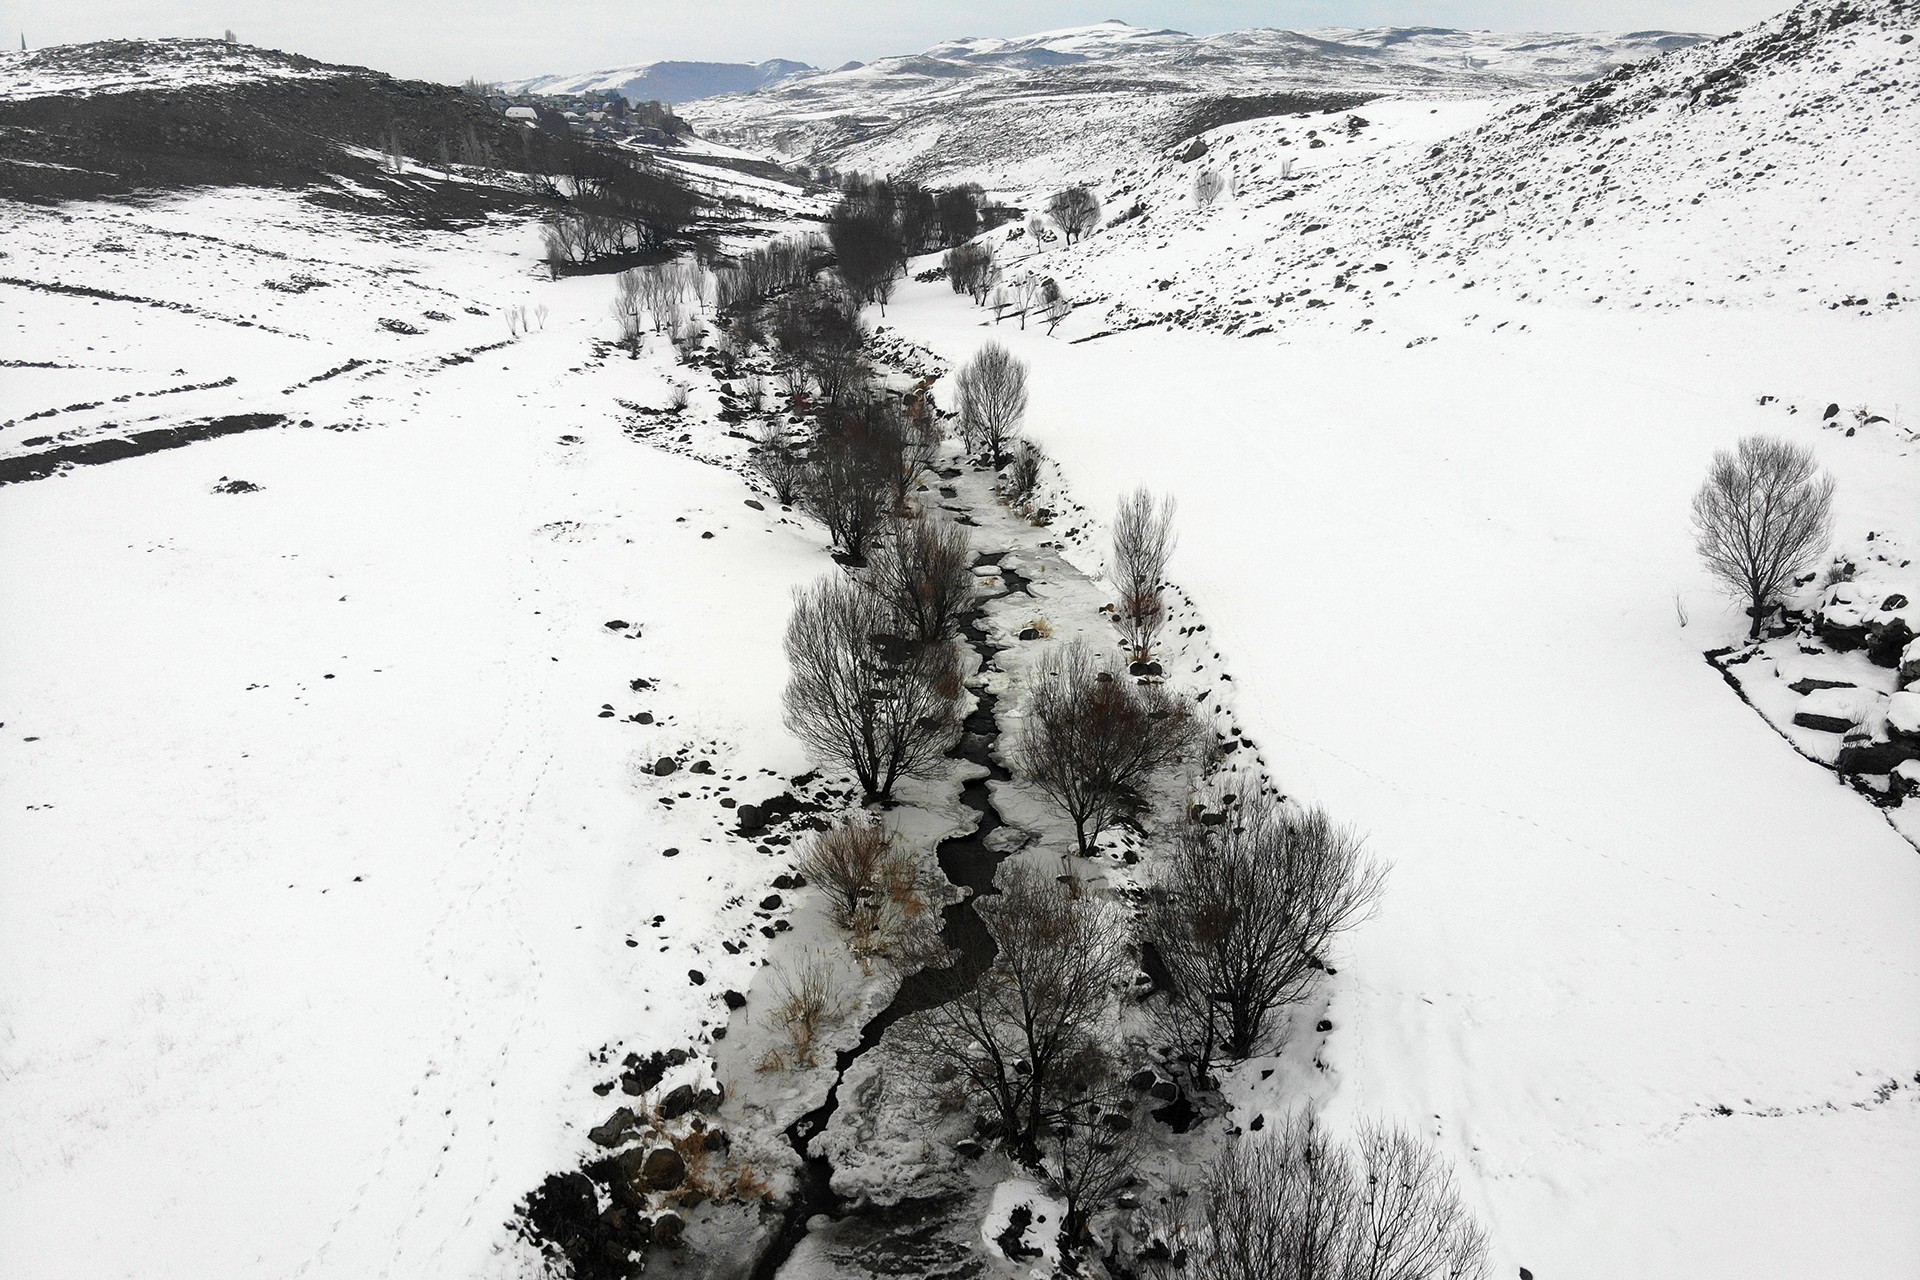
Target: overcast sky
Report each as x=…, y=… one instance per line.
x=496, y=39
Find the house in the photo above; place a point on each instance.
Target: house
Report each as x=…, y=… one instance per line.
x=526, y=114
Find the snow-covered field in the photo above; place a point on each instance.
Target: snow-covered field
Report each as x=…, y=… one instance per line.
x=320, y=859
x=1443, y=579
x=332, y=849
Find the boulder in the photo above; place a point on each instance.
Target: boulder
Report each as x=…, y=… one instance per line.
x=667, y=1229
x=665, y=765
x=1832, y=710
x=615, y=1130
x=663, y=1169
x=677, y=1103
x=1875, y=757
x=1903, y=716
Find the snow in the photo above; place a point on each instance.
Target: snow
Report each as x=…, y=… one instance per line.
x=1903, y=713
x=144, y=65
x=1618, y=900
x=320, y=862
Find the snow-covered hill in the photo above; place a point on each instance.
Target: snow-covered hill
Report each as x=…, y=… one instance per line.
x=671, y=82
x=1759, y=169
x=991, y=109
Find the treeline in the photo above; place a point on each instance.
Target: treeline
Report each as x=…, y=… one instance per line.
x=879, y=223
x=607, y=205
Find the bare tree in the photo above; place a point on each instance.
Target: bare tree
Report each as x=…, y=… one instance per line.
x=1762, y=518
x=1301, y=1204
x=1076, y=211
x=775, y=458
x=1023, y=1039
x=924, y=577
x=1410, y=1221
x=862, y=698
x=1054, y=306
x=627, y=310
x=1243, y=916
x=1090, y=741
x=849, y=482
x=1093, y=1148
x=992, y=394
x=1142, y=543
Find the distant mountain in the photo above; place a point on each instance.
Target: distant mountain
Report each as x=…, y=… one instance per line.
x=996, y=108
x=666, y=81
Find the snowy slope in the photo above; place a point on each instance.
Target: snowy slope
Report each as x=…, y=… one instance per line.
x=671, y=82
x=129, y=66
x=1649, y=975
x=324, y=872
x=1752, y=169
x=990, y=109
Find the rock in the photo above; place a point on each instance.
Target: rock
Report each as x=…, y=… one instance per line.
x=1144, y=669
x=733, y=999
x=1903, y=715
x=1910, y=662
x=1833, y=710
x=718, y=1140
x=1165, y=1090
x=771, y=902
x=1875, y=757
x=1807, y=684
x=664, y=766
x=1892, y=602
x=1888, y=641
x=615, y=625
x=1142, y=1080
x=969, y=1149
x=1833, y=411
x=785, y=881
x=754, y=503
x=663, y=1169
x=677, y=1102
x=702, y=766
x=615, y=1130
x=564, y=1207
x=1195, y=149
x=1824, y=723
x=696, y=977
x=1029, y=633
x=1325, y=1024
x=631, y=1086
x=667, y=1229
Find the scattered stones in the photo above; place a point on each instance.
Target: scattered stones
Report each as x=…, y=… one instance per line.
x=615, y=1130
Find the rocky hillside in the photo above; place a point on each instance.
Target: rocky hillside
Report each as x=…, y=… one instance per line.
x=1759, y=166
x=1013, y=110
x=115, y=117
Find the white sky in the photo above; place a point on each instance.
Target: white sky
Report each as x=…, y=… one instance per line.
x=494, y=39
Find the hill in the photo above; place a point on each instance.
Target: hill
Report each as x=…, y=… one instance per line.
x=1013, y=110
x=670, y=82
x=114, y=117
